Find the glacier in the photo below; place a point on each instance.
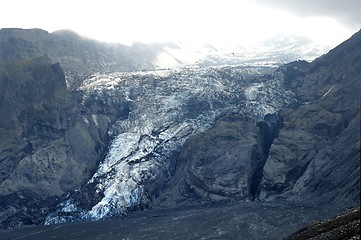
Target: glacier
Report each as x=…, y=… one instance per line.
x=167, y=107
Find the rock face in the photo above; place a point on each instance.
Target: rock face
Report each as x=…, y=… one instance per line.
x=318, y=148
x=223, y=163
x=303, y=159
x=48, y=147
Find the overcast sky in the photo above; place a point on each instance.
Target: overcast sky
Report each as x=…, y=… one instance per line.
x=222, y=22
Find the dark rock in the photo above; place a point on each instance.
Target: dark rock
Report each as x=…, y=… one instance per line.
x=342, y=226
x=222, y=163
x=78, y=56
x=24, y=207
x=47, y=146
x=293, y=71
x=316, y=157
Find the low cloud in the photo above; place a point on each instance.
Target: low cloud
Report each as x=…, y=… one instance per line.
x=347, y=12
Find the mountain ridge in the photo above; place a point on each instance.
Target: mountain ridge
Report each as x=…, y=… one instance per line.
x=80, y=56
x=77, y=55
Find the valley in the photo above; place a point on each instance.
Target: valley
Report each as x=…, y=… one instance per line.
x=224, y=148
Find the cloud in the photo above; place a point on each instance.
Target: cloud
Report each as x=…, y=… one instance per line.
x=347, y=12
x=226, y=22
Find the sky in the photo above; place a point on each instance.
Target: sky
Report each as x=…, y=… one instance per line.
x=218, y=22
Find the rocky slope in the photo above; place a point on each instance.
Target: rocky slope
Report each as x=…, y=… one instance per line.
x=342, y=226
x=78, y=56
x=318, y=148
x=49, y=143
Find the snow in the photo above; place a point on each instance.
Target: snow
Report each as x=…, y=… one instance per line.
x=324, y=95
x=69, y=207
x=95, y=119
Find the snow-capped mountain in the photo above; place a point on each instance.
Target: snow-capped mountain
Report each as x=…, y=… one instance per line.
x=274, y=51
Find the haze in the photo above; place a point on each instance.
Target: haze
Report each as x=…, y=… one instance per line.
x=221, y=23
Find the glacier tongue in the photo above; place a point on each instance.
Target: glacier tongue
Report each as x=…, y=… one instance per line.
x=168, y=106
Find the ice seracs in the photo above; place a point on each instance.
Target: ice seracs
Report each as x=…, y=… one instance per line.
x=168, y=106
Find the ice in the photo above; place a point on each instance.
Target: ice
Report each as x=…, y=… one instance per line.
x=168, y=106
x=69, y=207
x=252, y=92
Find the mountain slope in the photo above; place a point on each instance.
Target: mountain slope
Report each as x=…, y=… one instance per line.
x=81, y=57
x=78, y=56
x=322, y=133
x=48, y=146
x=342, y=226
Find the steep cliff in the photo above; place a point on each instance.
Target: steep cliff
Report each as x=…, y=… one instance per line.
x=48, y=143
x=222, y=163
x=316, y=157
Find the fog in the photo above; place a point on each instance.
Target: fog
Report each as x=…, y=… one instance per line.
x=221, y=23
